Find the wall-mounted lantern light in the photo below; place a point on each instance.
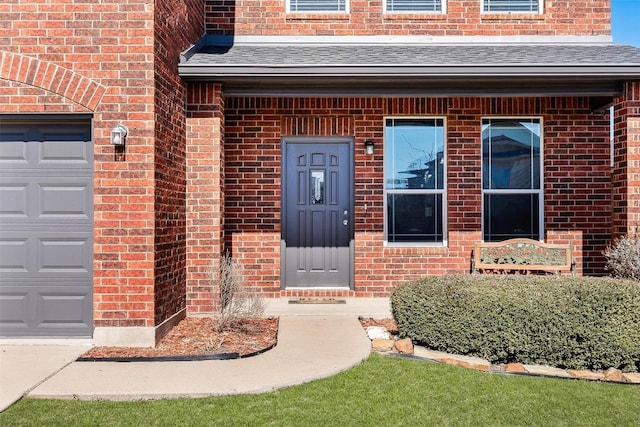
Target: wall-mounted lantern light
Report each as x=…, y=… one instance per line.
x=118, y=135
x=368, y=147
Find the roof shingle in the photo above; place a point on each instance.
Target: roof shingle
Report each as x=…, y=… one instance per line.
x=413, y=55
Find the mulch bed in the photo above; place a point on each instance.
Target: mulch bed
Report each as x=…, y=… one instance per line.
x=197, y=336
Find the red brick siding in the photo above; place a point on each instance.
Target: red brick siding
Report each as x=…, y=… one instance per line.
x=577, y=180
x=178, y=23
x=100, y=57
x=17, y=97
x=626, y=200
x=42, y=86
x=258, y=255
x=366, y=17
x=205, y=193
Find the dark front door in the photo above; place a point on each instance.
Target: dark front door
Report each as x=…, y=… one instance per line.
x=317, y=226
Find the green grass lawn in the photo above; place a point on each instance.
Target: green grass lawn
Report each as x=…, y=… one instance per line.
x=383, y=391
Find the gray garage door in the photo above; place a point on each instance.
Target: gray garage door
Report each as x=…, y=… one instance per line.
x=46, y=228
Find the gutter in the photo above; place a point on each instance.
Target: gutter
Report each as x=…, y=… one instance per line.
x=622, y=71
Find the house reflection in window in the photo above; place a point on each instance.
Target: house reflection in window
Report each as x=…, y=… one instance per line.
x=511, y=178
x=317, y=187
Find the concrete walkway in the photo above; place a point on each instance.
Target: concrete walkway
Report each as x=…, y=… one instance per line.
x=314, y=341
x=23, y=367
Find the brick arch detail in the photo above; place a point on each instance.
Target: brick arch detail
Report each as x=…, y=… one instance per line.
x=51, y=77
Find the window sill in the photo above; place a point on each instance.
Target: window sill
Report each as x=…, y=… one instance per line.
x=415, y=249
x=413, y=16
x=311, y=16
x=507, y=16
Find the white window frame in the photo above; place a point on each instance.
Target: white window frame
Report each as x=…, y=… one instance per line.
x=442, y=11
x=539, y=11
x=337, y=12
x=437, y=191
x=539, y=191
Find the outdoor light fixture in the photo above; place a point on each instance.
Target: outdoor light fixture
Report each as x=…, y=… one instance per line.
x=118, y=135
x=368, y=147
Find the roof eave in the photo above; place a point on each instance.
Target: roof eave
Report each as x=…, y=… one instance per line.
x=617, y=72
x=594, y=81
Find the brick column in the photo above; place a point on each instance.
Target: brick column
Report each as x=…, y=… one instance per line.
x=205, y=192
x=626, y=172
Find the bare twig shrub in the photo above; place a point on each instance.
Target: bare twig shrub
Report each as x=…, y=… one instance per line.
x=235, y=301
x=623, y=257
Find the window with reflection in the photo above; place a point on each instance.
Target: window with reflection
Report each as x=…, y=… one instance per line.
x=511, y=178
x=317, y=188
x=414, y=174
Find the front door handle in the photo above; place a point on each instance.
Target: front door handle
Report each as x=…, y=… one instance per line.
x=345, y=222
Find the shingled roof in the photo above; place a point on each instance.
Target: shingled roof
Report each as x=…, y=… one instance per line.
x=410, y=55
x=595, y=69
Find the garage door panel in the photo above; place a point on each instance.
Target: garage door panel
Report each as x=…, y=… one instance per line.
x=69, y=256
x=13, y=199
x=13, y=154
x=58, y=309
x=46, y=255
x=41, y=201
x=13, y=306
x=64, y=154
x=67, y=155
x=14, y=256
x=69, y=200
x=46, y=228
x=62, y=310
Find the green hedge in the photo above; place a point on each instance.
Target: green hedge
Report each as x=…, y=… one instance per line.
x=568, y=322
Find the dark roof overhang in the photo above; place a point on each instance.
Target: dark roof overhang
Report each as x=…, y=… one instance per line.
x=412, y=70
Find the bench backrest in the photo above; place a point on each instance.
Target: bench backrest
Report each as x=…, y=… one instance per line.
x=523, y=254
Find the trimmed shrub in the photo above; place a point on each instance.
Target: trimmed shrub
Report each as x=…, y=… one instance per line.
x=623, y=257
x=567, y=322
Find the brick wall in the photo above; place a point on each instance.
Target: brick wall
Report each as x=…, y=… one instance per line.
x=626, y=175
x=205, y=193
x=366, y=17
x=178, y=23
x=577, y=179
x=100, y=58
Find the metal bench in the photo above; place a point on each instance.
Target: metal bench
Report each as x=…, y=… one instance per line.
x=522, y=256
